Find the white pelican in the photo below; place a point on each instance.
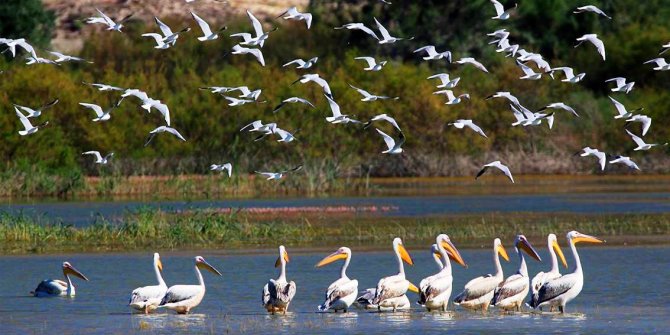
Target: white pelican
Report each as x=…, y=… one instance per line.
x=98, y=157
x=183, y=298
x=501, y=13
x=148, y=298
x=28, y=127
x=222, y=167
x=373, y=65
x=473, y=62
x=36, y=112
x=445, y=80
x=367, y=96
x=435, y=290
x=278, y=293
x=460, y=124
x=661, y=64
x=301, y=64
x=277, y=176
x=479, y=291
x=164, y=129
x=560, y=291
x=625, y=160
x=645, y=120
x=451, y=98
x=499, y=166
x=621, y=85
x=293, y=100
x=293, y=14
x=391, y=290
x=569, y=74
x=641, y=144
x=207, y=34
x=591, y=8
x=543, y=277
x=511, y=293
x=386, y=37
x=394, y=147
x=342, y=292
x=602, y=156
x=55, y=287
x=593, y=38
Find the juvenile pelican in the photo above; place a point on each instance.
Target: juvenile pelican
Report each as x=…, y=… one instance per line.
x=183, y=298
x=543, y=277
x=278, y=293
x=342, y=292
x=391, y=290
x=479, y=291
x=511, y=293
x=435, y=290
x=55, y=287
x=560, y=291
x=148, y=298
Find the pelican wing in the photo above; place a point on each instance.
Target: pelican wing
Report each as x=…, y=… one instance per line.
x=50, y=287
x=555, y=288
x=478, y=287
x=390, y=287
x=434, y=285
x=339, y=289
x=281, y=291
x=147, y=294
x=179, y=293
x=512, y=286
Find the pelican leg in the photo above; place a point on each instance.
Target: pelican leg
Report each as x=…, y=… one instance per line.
x=146, y=309
x=561, y=309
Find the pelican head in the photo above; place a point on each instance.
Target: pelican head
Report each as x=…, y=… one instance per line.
x=201, y=263
x=68, y=269
x=576, y=237
x=499, y=249
x=400, y=250
x=443, y=241
x=553, y=242
x=157, y=261
x=283, y=256
x=522, y=243
x=341, y=253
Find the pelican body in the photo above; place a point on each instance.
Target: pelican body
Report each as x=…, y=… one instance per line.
x=59, y=288
x=543, y=277
x=342, y=292
x=511, y=293
x=183, y=298
x=435, y=290
x=278, y=293
x=560, y=291
x=478, y=292
x=148, y=298
x=390, y=291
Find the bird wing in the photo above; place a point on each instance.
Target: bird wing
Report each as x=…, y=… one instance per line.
x=27, y=47
x=476, y=128
x=636, y=139
x=107, y=19
x=481, y=172
x=435, y=285
x=258, y=54
x=163, y=109
x=646, y=123
x=361, y=91
x=165, y=29
x=142, y=294
x=204, y=26
x=371, y=61
x=334, y=107
x=390, y=142
x=175, y=133
x=390, y=287
x=258, y=28
x=97, y=109
x=499, y=7
x=179, y=293
x=97, y=155
x=555, y=288
x=620, y=81
x=298, y=61
x=525, y=68
x=388, y=119
x=382, y=30
x=505, y=170
x=228, y=167
x=512, y=286
x=339, y=289
x=478, y=287
x=324, y=84
x=305, y=101
x=599, y=45
x=281, y=104
x=308, y=19
x=430, y=49
x=619, y=106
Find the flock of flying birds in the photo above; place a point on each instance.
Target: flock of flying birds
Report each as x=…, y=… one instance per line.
x=252, y=44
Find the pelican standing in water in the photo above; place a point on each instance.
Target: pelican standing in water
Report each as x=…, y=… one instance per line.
x=511, y=293
x=278, y=293
x=479, y=291
x=342, y=292
x=183, y=298
x=560, y=291
x=148, y=298
x=543, y=277
x=390, y=292
x=435, y=290
x=55, y=287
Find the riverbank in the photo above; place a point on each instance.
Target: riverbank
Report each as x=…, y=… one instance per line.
x=148, y=230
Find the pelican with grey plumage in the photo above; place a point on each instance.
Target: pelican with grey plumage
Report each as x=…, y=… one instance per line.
x=183, y=298
x=278, y=293
x=510, y=294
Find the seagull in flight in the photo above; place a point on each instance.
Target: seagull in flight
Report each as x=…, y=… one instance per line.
x=101, y=115
x=621, y=85
x=293, y=14
x=278, y=175
x=28, y=127
x=645, y=120
x=569, y=74
x=164, y=129
x=665, y=49
x=451, y=98
x=591, y=8
x=506, y=95
x=394, y=147
x=222, y=167
x=529, y=74
x=337, y=117
x=372, y=63
x=367, y=96
x=460, y=124
x=20, y=42
x=501, y=13
x=602, y=157
x=625, y=161
x=383, y=117
x=359, y=26
x=106, y=20
x=292, y=100
x=446, y=81
x=61, y=58
x=98, y=157
x=661, y=64
x=239, y=102
x=39, y=60
x=621, y=110
x=218, y=89
x=641, y=144
x=261, y=35
x=593, y=39
x=238, y=50
x=559, y=105
x=246, y=93
x=301, y=64
x=432, y=54
x=207, y=34
x=498, y=165
x=314, y=77
x=386, y=37
x=158, y=38
x=258, y=126
x=473, y=62
x=36, y=112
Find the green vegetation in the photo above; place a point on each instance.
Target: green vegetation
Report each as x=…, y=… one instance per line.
x=26, y=19
x=151, y=230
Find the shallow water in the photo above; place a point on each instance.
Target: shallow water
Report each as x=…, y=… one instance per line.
x=624, y=292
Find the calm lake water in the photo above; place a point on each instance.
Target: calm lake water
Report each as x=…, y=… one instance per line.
x=625, y=292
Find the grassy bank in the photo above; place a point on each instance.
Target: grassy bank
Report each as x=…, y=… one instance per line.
x=156, y=230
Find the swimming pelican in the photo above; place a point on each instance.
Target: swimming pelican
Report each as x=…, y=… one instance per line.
x=479, y=291
x=278, y=293
x=435, y=290
x=560, y=291
x=342, y=292
x=543, y=277
x=511, y=293
x=148, y=298
x=55, y=287
x=390, y=288
x=183, y=298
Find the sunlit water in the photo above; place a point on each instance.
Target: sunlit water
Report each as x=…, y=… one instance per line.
x=625, y=292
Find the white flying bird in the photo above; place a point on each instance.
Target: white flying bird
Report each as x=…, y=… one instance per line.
x=218, y=89
x=261, y=35
x=337, y=117
x=301, y=64
x=278, y=175
x=367, y=96
x=665, y=49
x=451, y=98
x=158, y=38
x=602, y=157
x=359, y=26
x=36, y=112
x=238, y=102
x=103, y=87
x=98, y=157
x=292, y=100
x=135, y=93
x=163, y=129
x=501, y=13
x=293, y=14
x=446, y=81
x=467, y=123
x=28, y=127
x=207, y=34
x=661, y=64
x=621, y=85
x=222, y=167
x=560, y=105
x=106, y=20
x=258, y=126
x=591, y=8
x=498, y=165
x=169, y=37
x=641, y=144
x=506, y=95
x=284, y=136
x=246, y=93
x=569, y=74
x=61, y=58
x=383, y=117
x=593, y=38
x=39, y=60
x=158, y=105
x=645, y=120
x=20, y=42
x=394, y=147
x=625, y=161
x=473, y=62
x=621, y=110
x=314, y=77
x=101, y=115
x=386, y=37
x=529, y=74
x=433, y=54
x=372, y=63
x=238, y=50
